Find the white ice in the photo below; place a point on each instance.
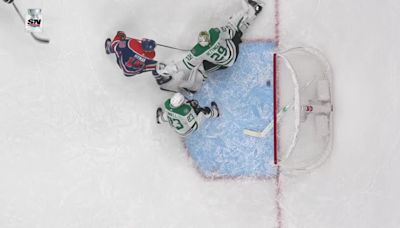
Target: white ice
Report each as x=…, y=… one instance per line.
x=79, y=146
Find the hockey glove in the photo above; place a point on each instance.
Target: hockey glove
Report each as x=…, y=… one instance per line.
x=194, y=103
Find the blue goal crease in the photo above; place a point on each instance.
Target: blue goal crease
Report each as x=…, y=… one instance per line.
x=245, y=99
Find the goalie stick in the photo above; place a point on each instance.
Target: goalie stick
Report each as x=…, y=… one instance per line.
x=42, y=40
x=268, y=128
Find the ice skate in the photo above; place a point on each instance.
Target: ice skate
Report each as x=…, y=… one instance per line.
x=257, y=5
x=107, y=46
x=214, y=109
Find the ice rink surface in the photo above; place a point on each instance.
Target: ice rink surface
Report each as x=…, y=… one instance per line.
x=79, y=146
x=219, y=148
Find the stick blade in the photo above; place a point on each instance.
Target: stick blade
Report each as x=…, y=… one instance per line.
x=252, y=133
x=41, y=40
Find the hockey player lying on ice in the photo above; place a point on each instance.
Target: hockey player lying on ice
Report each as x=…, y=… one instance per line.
x=183, y=115
x=135, y=56
x=217, y=48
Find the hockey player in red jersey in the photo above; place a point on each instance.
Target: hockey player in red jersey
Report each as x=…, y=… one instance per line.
x=135, y=56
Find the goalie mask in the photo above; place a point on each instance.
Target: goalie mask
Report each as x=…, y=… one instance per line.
x=204, y=38
x=177, y=100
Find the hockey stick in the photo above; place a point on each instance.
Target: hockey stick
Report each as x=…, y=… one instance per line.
x=163, y=45
x=166, y=46
x=268, y=128
x=263, y=133
x=42, y=40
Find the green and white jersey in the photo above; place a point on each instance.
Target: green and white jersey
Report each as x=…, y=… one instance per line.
x=221, y=50
x=182, y=119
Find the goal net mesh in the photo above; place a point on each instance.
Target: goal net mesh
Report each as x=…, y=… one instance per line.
x=304, y=131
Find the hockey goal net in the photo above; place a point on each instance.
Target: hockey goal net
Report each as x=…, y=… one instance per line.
x=303, y=109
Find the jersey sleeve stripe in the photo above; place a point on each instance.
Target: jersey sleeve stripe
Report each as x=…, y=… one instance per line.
x=191, y=64
x=186, y=64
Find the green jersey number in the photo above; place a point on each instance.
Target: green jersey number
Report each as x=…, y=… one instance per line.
x=220, y=54
x=190, y=118
x=175, y=123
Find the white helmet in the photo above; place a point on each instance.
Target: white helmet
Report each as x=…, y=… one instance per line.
x=204, y=38
x=177, y=100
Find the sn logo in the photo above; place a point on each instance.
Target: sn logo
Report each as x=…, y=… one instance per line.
x=34, y=22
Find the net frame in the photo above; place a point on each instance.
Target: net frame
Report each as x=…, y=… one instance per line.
x=282, y=157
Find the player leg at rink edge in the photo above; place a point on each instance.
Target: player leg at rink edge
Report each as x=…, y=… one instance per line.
x=216, y=49
x=184, y=115
x=135, y=56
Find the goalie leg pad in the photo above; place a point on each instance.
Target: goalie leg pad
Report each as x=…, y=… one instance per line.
x=242, y=20
x=194, y=80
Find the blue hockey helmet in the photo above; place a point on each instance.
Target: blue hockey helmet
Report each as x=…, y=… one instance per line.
x=148, y=45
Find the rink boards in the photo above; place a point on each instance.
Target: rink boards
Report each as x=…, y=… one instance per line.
x=244, y=94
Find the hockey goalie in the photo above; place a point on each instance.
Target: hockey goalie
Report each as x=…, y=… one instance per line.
x=216, y=49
